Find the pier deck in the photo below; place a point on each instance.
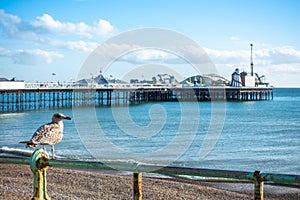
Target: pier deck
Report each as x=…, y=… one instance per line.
x=39, y=98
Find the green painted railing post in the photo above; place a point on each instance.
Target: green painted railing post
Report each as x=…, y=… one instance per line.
x=137, y=186
x=258, y=186
x=39, y=165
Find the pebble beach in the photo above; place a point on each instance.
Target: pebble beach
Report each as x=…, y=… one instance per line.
x=16, y=182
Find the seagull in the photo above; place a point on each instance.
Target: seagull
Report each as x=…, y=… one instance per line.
x=48, y=134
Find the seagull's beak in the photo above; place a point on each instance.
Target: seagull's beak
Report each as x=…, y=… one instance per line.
x=68, y=118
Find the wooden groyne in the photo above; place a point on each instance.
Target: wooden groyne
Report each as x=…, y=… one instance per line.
x=40, y=98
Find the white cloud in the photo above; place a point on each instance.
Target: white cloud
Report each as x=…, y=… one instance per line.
x=263, y=56
x=102, y=27
x=228, y=57
x=233, y=38
x=47, y=24
x=13, y=26
x=285, y=68
x=150, y=55
x=35, y=57
x=135, y=54
x=4, y=52
x=80, y=45
x=279, y=55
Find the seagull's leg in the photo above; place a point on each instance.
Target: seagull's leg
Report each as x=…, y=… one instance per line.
x=53, y=158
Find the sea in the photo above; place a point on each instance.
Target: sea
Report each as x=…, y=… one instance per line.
x=234, y=135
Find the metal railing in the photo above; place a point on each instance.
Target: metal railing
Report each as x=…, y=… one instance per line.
x=257, y=177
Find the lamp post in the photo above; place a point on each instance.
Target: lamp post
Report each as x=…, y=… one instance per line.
x=53, y=74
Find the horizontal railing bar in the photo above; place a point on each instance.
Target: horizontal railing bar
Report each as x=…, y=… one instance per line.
x=281, y=178
x=93, y=165
x=166, y=170
x=14, y=160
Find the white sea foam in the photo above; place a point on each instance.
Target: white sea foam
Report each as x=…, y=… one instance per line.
x=6, y=115
x=15, y=151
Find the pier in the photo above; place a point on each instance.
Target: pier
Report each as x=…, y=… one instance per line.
x=14, y=100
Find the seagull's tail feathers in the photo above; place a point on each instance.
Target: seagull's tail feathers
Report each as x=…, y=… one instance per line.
x=29, y=144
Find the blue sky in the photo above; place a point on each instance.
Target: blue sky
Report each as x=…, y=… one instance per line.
x=41, y=37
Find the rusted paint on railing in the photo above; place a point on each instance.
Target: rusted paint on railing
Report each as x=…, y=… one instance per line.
x=281, y=178
x=39, y=165
x=257, y=177
x=258, y=186
x=137, y=186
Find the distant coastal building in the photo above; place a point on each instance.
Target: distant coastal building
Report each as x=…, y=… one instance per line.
x=134, y=81
x=235, y=78
x=164, y=79
x=82, y=83
x=11, y=84
x=205, y=80
x=244, y=79
x=159, y=79
x=196, y=81
x=100, y=80
x=92, y=82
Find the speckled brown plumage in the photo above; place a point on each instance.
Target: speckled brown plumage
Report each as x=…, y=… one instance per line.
x=48, y=134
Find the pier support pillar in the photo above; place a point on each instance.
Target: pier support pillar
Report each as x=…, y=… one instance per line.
x=137, y=186
x=258, y=186
x=39, y=165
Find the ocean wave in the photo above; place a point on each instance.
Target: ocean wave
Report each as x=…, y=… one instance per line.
x=5, y=115
x=287, y=98
x=15, y=151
